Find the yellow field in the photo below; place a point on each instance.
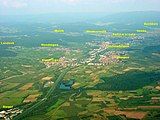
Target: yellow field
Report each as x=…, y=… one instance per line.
x=26, y=87
x=31, y=98
x=46, y=78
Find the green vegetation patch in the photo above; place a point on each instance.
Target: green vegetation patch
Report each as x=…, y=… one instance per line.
x=128, y=81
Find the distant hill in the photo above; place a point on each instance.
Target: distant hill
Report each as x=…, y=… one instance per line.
x=56, y=18
x=132, y=17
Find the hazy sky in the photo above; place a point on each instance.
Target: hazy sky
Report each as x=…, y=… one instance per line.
x=50, y=6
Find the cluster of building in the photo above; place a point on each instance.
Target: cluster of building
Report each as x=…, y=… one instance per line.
x=9, y=114
x=104, y=57
x=93, y=54
x=61, y=61
x=108, y=59
x=98, y=51
x=48, y=84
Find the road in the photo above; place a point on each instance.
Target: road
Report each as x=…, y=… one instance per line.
x=49, y=93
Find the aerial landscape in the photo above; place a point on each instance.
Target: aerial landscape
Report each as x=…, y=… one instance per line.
x=79, y=60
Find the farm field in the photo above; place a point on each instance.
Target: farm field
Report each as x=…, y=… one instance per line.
x=104, y=68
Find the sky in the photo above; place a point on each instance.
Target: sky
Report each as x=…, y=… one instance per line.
x=22, y=7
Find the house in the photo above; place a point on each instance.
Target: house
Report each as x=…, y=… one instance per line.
x=48, y=84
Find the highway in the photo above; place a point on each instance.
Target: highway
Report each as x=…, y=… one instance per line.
x=49, y=93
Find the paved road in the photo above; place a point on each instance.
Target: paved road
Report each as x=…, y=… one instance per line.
x=49, y=93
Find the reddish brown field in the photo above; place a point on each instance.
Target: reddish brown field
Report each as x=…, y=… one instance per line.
x=128, y=114
x=148, y=107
